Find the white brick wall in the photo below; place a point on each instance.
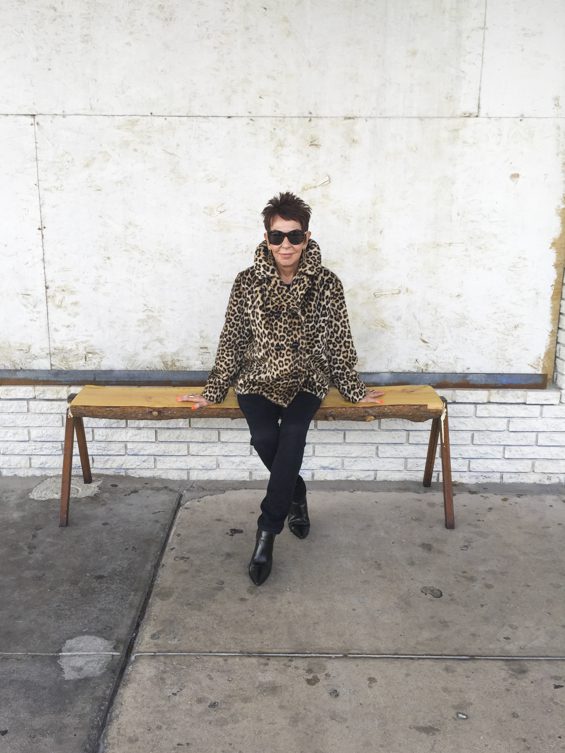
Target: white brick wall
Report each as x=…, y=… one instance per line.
x=496, y=435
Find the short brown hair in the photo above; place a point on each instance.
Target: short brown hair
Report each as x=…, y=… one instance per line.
x=289, y=207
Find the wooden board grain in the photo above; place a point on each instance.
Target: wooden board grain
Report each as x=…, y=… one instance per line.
x=415, y=402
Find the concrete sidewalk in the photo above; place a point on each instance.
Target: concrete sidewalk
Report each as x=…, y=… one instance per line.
x=382, y=631
x=70, y=600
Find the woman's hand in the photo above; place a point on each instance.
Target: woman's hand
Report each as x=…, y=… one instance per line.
x=198, y=400
x=372, y=396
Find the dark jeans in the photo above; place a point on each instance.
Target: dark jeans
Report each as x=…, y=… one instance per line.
x=281, y=448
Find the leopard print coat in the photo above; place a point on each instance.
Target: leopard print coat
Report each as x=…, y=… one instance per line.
x=280, y=339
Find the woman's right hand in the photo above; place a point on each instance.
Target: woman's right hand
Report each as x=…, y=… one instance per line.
x=198, y=400
x=372, y=396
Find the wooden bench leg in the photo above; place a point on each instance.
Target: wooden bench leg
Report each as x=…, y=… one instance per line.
x=67, y=469
x=446, y=469
x=83, y=450
x=432, y=449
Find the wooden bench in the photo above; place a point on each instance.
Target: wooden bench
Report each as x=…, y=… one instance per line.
x=414, y=403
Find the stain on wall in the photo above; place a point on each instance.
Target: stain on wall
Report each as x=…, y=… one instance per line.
x=558, y=246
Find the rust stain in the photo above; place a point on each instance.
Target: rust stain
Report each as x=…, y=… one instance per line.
x=558, y=247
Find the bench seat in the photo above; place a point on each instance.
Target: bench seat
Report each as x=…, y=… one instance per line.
x=410, y=402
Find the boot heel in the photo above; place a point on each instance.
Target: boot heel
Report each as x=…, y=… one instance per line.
x=262, y=558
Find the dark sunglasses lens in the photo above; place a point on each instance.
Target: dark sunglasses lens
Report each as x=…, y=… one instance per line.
x=276, y=237
x=296, y=237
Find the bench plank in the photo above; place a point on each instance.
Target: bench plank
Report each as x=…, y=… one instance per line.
x=415, y=403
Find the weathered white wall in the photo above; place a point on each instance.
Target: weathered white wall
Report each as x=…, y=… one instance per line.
x=243, y=57
x=429, y=143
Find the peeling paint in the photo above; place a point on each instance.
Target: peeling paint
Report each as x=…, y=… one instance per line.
x=558, y=247
x=326, y=180
x=381, y=293
x=93, y=358
x=68, y=356
x=21, y=355
x=172, y=362
x=212, y=211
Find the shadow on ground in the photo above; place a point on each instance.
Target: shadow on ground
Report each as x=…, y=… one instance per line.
x=70, y=600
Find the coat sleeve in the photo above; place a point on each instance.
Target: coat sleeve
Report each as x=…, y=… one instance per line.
x=235, y=336
x=341, y=353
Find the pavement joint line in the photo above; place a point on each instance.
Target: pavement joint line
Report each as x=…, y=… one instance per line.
x=60, y=653
x=127, y=651
x=316, y=655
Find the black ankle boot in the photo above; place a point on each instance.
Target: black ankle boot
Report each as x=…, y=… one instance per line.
x=262, y=557
x=298, y=520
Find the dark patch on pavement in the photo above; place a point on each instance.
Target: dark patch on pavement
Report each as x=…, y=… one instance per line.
x=432, y=591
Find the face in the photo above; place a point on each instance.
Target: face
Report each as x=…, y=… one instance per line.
x=286, y=256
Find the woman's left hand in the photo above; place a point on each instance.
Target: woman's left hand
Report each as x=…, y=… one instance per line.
x=197, y=400
x=372, y=396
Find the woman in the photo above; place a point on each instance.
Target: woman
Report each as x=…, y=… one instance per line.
x=286, y=336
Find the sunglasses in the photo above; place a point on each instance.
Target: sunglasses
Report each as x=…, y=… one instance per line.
x=276, y=237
